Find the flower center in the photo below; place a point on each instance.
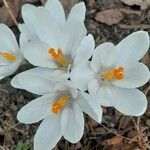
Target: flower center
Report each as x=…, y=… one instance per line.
x=8, y=56
x=59, y=104
x=117, y=73
x=58, y=57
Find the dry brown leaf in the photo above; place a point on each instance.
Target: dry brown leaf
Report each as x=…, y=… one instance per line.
x=115, y=140
x=15, y=6
x=109, y=17
x=144, y=4
x=123, y=146
x=132, y=2
x=114, y=16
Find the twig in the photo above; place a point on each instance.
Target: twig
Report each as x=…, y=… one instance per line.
x=129, y=139
x=14, y=126
x=10, y=12
x=141, y=26
x=2, y=148
x=140, y=131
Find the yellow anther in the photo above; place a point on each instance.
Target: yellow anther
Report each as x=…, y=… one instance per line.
x=8, y=56
x=59, y=104
x=117, y=73
x=58, y=57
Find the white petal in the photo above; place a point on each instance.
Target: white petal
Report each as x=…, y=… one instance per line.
x=48, y=134
x=81, y=75
x=29, y=17
x=103, y=57
x=130, y=102
x=72, y=34
x=77, y=12
x=37, y=109
x=1, y=77
x=56, y=11
x=15, y=83
x=8, y=41
x=133, y=47
x=85, y=49
x=93, y=86
x=60, y=75
x=37, y=54
x=74, y=92
x=4, y=61
x=26, y=36
x=8, y=70
x=135, y=75
x=90, y=104
x=101, y=90
x=37, y=80
x=66, y=85
x=72, y=122
x=47, y=29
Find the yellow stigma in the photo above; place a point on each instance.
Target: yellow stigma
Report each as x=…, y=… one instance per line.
x=8, y=56
x=58, y=57
x=117, y=73
x=59, y=104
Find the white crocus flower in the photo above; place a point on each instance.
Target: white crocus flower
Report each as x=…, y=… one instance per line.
x=58, y=39
x=10, y=53
x=115, y=72
x=61, y=108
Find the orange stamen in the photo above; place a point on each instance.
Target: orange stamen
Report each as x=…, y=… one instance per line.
x=117, y=74
x=59, y=104
x=8, y=56
x=58, y=56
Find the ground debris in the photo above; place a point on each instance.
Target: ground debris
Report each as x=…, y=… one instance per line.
x=109, y=17
x=144, y=4
x=134, y=26
x=114, y=140
x=67, y=4
x=92, y=3
x=114, y=16
x=15, y=6
x=30, y=1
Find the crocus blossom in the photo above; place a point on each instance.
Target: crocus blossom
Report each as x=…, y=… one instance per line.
x=115, y=72
x=10, y=52
x=55, y=14
x=57, y=40
x=61, y=108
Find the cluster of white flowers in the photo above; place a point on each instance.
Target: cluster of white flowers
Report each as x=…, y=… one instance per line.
x=67, y=65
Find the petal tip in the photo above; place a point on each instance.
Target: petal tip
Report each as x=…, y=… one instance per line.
x=3, y=25
x=14, y=82
x=143, y=110
x=19, y=117
x=142, y=34
x=82, y=4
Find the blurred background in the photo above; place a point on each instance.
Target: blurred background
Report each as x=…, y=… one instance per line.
x=107, y=20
